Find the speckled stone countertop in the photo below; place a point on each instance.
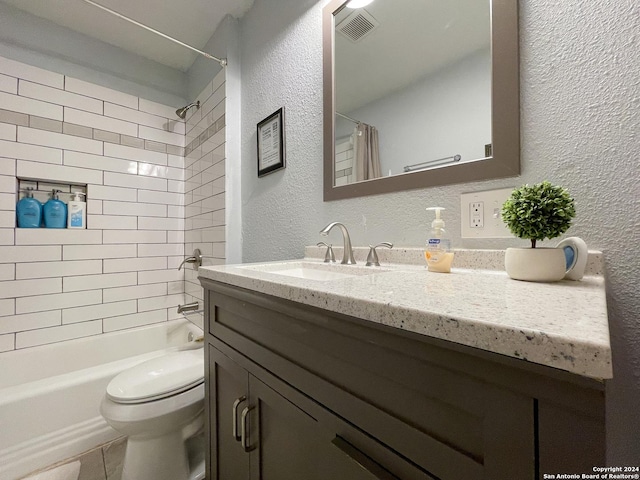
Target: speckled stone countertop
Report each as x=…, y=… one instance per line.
x=562, y=325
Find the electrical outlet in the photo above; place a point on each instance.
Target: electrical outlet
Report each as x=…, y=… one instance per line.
x=480, y=214
x=476, y=215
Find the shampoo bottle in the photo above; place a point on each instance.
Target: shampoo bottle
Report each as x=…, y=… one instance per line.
x=29, y=211
x=438, y=249
x=55, y=212
x=77, y=212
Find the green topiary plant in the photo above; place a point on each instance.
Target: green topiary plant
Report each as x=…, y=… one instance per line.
x=538, y=211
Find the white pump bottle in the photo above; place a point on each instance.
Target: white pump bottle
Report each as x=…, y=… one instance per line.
x=77, y=212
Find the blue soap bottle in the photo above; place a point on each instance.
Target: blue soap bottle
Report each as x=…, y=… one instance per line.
x=55, y=212
x=29, y=211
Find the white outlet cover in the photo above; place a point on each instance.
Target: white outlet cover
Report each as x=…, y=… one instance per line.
x=476, y=213
x=493, y=226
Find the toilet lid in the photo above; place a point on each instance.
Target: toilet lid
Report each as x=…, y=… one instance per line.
x=158, y=378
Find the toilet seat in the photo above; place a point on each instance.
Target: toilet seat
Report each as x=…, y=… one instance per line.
x=158, y=378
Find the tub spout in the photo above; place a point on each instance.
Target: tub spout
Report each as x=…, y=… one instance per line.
x=189, y=307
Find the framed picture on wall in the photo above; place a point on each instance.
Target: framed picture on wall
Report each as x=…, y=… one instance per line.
x=271, y=155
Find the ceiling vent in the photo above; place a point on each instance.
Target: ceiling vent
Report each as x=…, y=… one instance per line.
x=358, y=25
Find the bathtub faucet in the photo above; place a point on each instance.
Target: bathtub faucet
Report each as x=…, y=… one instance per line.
x=189, y=307
x=196, y=259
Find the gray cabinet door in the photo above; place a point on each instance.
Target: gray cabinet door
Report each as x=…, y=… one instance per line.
x=288, y=444
x=228, y=385
x=275, y=439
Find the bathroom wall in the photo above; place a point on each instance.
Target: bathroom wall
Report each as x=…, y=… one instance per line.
x=205, y=186
x=30, y=39
x=579, y=64
x=121, y=271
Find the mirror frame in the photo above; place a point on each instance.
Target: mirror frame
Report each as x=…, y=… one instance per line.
x=505, y=115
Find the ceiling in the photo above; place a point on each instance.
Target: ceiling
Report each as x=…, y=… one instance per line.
x=190, y=21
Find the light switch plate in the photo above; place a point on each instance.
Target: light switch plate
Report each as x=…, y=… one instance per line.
x=489, y=224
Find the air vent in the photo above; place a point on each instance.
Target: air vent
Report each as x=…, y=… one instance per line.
x=358, y=25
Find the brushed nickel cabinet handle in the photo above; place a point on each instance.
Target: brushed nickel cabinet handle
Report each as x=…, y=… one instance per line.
x=243, y=429
x=363, y=460
x=236, y=404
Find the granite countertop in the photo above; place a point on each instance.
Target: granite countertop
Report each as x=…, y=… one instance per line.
x=562, y=325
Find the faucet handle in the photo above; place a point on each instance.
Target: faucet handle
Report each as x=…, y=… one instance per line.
x=196, y=259
x=372, y=258
x=329, y=256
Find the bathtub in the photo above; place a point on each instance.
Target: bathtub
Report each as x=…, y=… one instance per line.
x=50, y=395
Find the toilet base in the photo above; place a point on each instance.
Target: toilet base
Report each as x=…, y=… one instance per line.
x=161, y=458
x=195, y=451
x=167, y=457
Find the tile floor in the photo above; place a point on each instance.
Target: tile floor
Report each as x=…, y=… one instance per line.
x=101, y=463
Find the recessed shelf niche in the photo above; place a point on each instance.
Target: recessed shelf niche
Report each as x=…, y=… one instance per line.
x=42, y=190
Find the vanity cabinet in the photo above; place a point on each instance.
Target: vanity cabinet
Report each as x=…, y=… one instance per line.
x=321, y=395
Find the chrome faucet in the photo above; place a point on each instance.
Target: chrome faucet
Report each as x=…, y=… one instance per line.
x=347, y=255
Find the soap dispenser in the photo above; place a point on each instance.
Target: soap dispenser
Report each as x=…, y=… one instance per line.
x=438, y=249
x=55, y=212
x=77, y=217
x=29, y=211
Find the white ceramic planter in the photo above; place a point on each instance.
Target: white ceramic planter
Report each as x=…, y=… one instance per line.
x=535, y=264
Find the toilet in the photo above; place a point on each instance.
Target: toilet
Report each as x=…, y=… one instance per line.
x=159, y=406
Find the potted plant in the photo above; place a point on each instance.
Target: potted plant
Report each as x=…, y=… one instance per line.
x=536, y=212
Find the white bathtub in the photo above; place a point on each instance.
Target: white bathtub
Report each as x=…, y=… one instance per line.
x=50, y=395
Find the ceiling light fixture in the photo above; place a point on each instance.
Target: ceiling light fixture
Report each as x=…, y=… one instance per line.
x=358, y=3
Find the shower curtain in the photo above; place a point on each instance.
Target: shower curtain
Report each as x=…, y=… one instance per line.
x=366, y=153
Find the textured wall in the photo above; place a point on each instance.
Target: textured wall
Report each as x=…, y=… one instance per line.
x=282, y=66
x=580, y=98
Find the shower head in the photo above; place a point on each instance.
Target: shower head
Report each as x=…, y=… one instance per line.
x=182, y=112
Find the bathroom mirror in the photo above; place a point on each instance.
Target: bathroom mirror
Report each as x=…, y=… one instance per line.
x=439, y=81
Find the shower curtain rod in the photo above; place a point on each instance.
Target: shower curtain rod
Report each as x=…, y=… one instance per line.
x=221, y=61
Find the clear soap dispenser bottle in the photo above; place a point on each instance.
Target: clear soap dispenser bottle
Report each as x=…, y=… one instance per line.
x=438, y=252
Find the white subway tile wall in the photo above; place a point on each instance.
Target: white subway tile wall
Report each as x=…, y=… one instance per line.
x=204, y=199
x=57, y=285
x=344, y=162
x=60, y=97
x=8, y=84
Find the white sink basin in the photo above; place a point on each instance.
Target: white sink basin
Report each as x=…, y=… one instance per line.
x=313, y=270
